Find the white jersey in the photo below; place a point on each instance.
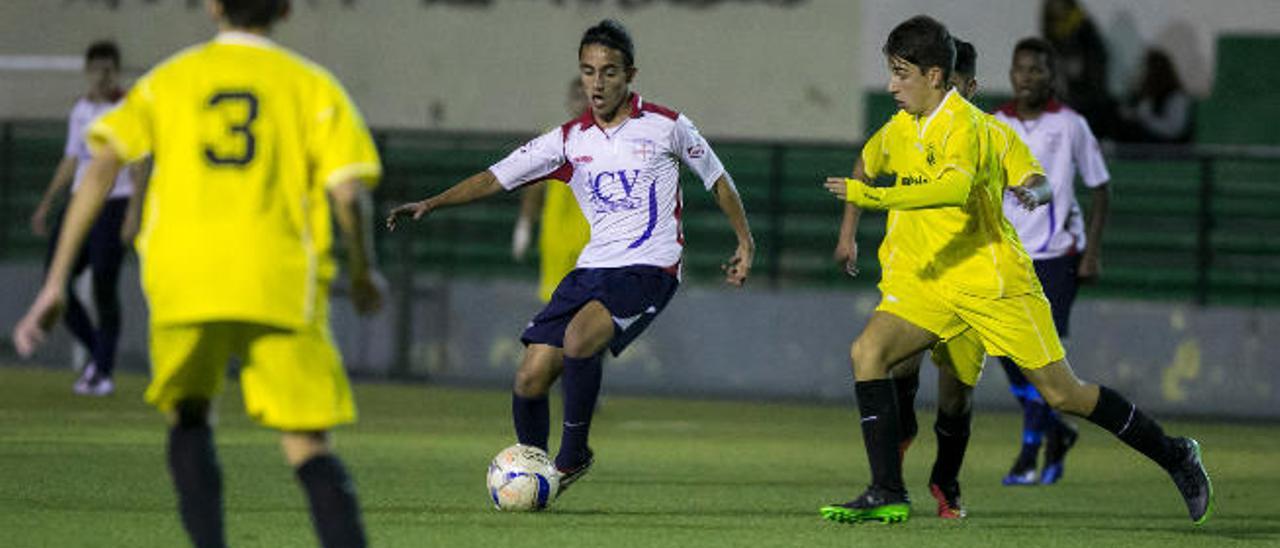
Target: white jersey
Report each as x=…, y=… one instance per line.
x=1061, y=140
x=82, y=116
x=625, y=178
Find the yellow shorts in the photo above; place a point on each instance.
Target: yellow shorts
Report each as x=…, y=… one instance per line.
x=963, y=354
x=1018, y=326
x=292, y=380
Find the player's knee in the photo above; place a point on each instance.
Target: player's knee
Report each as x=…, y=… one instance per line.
x=532, y=381
x=1062, y=399
x=953, y=404
x=868, y=358
x=190, y=414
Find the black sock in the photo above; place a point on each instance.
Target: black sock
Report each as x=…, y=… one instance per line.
x=334, y=509
x=1132, y=426
x=193, y=464
x=953, y=441
x=878, y=406
x=533, y=420
x=581, y=385
x=906, y=388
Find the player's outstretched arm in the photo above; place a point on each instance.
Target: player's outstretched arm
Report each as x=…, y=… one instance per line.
x=353, y=208
x=1033, y=193
x=85, y=205
x=738, y=267
x=475, y=187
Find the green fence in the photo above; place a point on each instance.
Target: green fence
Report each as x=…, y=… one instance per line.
x=1198, y=224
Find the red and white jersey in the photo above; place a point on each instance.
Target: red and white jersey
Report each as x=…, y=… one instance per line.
x=1061, y=140
x=625, y=178
x=82, y=115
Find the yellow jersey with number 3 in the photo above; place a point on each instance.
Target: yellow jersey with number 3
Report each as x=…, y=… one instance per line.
x=946, y=220
x=246, y=137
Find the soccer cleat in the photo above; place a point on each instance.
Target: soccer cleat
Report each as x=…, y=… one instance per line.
x=102, y=386
x=1020, y=477
x=874, y=504
x=1192, y=481
x=83, y=385
x=1055, y=452
x=570, y=475
x=948, y=501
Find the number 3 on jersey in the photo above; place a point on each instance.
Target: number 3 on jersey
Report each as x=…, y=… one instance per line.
x=236, y=146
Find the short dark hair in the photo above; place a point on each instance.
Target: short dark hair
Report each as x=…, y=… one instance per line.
x=924, y=42
x=1035, y=44
x=610, y=34
x=253, y=13
x=103, y=49
x=966, y=58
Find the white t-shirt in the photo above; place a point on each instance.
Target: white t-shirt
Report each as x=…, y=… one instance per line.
x=625, y=179
x=1061, y=140
x=82, y=115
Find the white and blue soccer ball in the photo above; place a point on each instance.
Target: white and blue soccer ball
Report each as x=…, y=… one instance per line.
x=522, y=479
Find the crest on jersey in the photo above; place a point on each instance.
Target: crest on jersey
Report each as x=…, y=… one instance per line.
x=930, y=156
x=644, y=148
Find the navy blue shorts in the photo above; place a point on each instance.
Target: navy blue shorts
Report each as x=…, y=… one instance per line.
x=633, y=295
x=1060, y=281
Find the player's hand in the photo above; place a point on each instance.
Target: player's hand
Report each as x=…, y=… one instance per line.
x=1026, y=197
x=40, y=221
x=368, y=291
x=846, y=255
x=520, y=238
x=838, y=187
x=1090, y=268
x=738, y=266
x=31, y=331
x=413, y=210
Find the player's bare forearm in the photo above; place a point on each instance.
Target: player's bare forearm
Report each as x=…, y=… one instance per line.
x=475, y=187
x=1099, y=210
x=846, y=245
x=353, y=209
x=1033, y=192
x=739, y=265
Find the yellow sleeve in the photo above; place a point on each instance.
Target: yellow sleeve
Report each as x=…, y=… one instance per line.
x=948, y=187
x=1018, y=162
x=341, y=147
x=874, y=156
x=126, y=129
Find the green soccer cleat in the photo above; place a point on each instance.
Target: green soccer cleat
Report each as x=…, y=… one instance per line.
x=874, y=504
x=1193, y=481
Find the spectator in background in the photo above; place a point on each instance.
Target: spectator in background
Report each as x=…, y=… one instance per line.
x=1159, y=110
x=1082, y=57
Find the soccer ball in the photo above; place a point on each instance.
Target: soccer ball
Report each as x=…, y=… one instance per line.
x=522, y=479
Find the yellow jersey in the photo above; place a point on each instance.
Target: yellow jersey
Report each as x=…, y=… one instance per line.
x=946, y=220
x=246, y=137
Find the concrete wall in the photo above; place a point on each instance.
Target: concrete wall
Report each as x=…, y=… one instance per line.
x=1169, y=358
x=747, y=68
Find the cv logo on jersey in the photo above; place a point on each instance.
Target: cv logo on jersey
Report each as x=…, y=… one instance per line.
x=612, y=191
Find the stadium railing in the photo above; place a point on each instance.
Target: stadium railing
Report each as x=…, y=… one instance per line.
x=1188, y=223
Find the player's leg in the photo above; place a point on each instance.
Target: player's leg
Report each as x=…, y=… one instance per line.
x=906, y=383
x=335, y=510
x=541, y=365
x=1036, y=415
x=188, y=363
x=106, y=256
x=887, y=339
x=294, y=382
x=960, y=361
x=584, y=342
x=1022, y=328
